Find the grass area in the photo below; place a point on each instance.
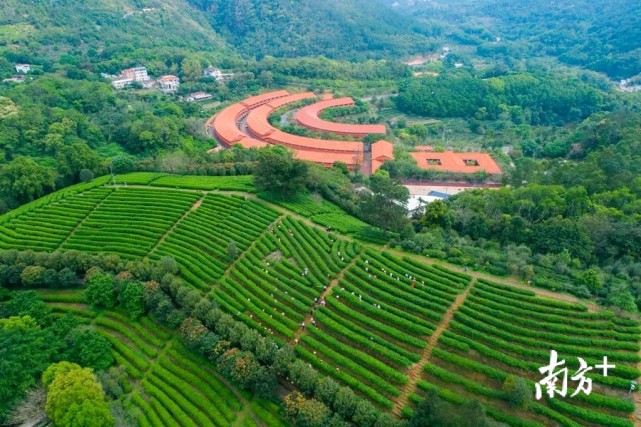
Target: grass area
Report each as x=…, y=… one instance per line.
x=325, y=213
x=225, y=183
x=14, y=33
x=137, y=178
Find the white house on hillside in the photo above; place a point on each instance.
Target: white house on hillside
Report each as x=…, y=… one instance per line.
x=168, y=84
x=217, y=74
x=23, y=68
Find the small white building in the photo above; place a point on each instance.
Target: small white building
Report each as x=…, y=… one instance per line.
x=459, y=65
x=121, y=83
x=23, y=68
x=198, y=96
x=217, y=74
x=168, y=84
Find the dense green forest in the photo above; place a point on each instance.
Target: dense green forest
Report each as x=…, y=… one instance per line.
x=525, y=97
x=362, y=29
x=600, y=35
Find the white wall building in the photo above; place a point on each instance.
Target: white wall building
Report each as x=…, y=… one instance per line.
x=217, y=74
x=137, y=74
x=121, y=83
x=23, y=68
x=168, y=84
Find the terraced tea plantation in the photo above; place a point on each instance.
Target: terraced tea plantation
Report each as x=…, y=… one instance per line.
x=167, y=384
x=501, y=331
x=388, y=325
x=274, y=284
x=376, y=322
x=199, y=243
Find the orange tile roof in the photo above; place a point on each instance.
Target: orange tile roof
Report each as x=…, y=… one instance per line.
x=328, y=158
x=169, y=78
x=305, y=143
x=309, y=118
x=258, y=124
x=225, y=123
x=449, y=161
x=381, y=151
x=258, y=118
x=264, y=98
x=281, y=102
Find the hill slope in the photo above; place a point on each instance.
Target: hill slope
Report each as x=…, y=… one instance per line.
x=388, y=325
x=356, y=29
x=104, y=29
x=600, y=35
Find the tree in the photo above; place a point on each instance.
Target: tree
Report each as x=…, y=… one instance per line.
x=27, y=304
x=90, y=349
x=85, y=175
x=592, y=279
x=75, y=397
x=192, y=69
x=131, y=298
x=304, y=376
x=122, y=164
x=33, y=276
x=432, y=411
x=387, y=420
x=438, y=214
x=558, y=234
x=292, y=403
x=24, y=353
x=365, y=414
x=326, y=391
x=519, y=394
x=473, y=414
x=75, y=157
x=101, y=290
x=386, y=207
x=239, y=366
x=345, y=403
x=278, y=172
x=312, y=413
x=25, y=180
x=67, y=278
x=31, y=407
x=168, y=265
x=621, y=298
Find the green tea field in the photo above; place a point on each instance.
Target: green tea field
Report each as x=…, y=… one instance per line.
x=389, y=325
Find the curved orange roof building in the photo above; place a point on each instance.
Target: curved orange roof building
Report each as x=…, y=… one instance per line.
x=258, y=118
x=225, y=125
x=253, y=114
x=259, y=126
x=228, y=127
x=309, y=117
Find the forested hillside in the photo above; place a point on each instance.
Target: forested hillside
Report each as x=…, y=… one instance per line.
x=105, y=31
x=361, y=29
x=600, y=35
